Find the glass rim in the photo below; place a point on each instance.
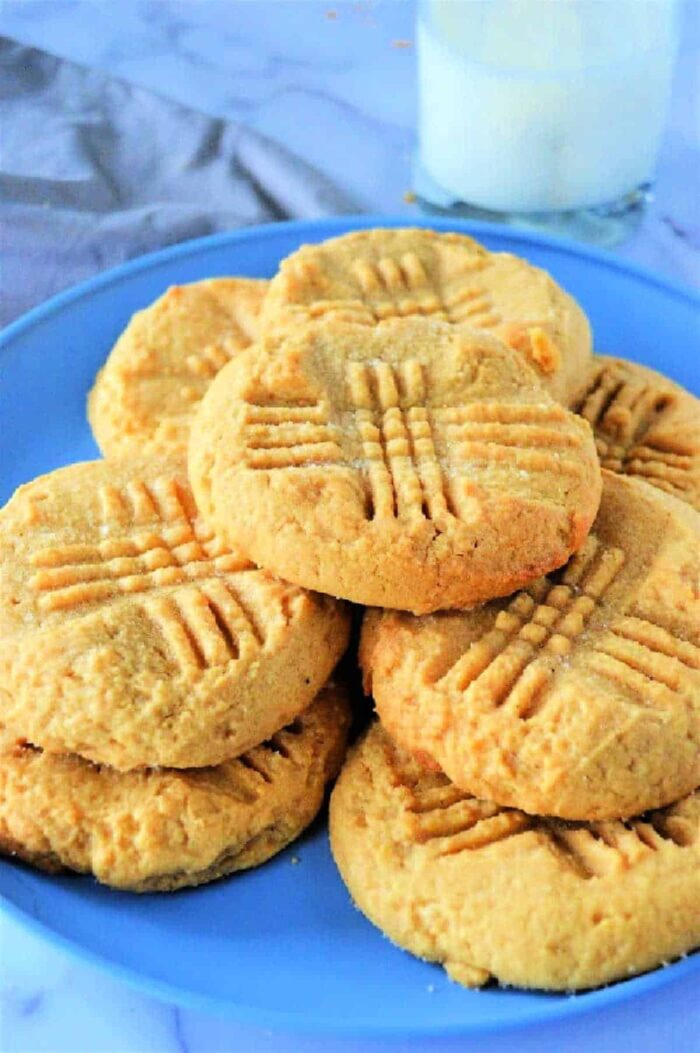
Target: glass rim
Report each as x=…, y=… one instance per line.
x=616, y=67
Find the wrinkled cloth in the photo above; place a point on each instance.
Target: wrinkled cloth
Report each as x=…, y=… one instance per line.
x=95, y=171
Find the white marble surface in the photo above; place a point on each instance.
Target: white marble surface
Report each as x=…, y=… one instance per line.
x=339, y=91
x=52, y=1004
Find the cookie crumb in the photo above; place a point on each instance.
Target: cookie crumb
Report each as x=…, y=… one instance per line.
x=331, y=15
x=402, y=45
x=410, y=197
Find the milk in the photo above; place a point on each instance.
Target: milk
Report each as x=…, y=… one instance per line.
x=542, y=105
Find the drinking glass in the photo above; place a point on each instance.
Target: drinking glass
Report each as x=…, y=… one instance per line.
x=543, y=113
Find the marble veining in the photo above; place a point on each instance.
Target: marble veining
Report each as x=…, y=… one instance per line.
x=314, y=76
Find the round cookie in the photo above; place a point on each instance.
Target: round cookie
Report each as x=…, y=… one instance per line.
x=644, y=425
x=163, y=362
x=132, y=636
x=162, y=829
x=412, y=464
x=580, y=696
x=491, y=892
x=371, y=275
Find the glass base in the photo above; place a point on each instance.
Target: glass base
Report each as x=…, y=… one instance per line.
x=605, y=225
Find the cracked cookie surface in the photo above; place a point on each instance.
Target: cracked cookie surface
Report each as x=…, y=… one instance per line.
x=160, y=830
x=577, y=697
x=131, y=635
x=493, y=893
x=412, y=464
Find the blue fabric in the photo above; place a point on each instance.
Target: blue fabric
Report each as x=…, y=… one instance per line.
x=95, y=171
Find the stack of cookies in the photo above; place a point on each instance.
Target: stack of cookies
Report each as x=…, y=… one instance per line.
x=168, y=714
x=402, y=420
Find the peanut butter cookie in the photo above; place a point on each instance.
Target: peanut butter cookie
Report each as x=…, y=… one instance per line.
x=132, y=636
x=412, y=464
x=645, y=425
x=492, y=892
x=160, y=830
x=578, y=697
x=163, y=362
x=372, y=275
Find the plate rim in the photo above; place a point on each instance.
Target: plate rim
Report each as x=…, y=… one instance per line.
x=562, y=1006
x=339, y=224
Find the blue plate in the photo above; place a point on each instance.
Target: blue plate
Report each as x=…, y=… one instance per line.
x=282, y=945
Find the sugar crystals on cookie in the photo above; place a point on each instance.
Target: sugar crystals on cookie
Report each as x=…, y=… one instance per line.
x=412, y=464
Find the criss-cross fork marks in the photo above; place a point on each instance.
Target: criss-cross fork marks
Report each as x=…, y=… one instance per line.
x=404, y=477
x=438, y=814
x=646, y=661
x=653, y=461
x=447, y=820
x=521, y=436
x=625, y=414
x=267, y=759
x=139, y=503
x=404, y=474
x=401, y=287
x=620, y=409
x=151, y=542
x=594, y=850
x=204, y=626
x=454, y=823
x=297, y=435
x=249, y=776
x=513, y=663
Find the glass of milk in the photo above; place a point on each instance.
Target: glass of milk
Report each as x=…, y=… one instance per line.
x=544, y=113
